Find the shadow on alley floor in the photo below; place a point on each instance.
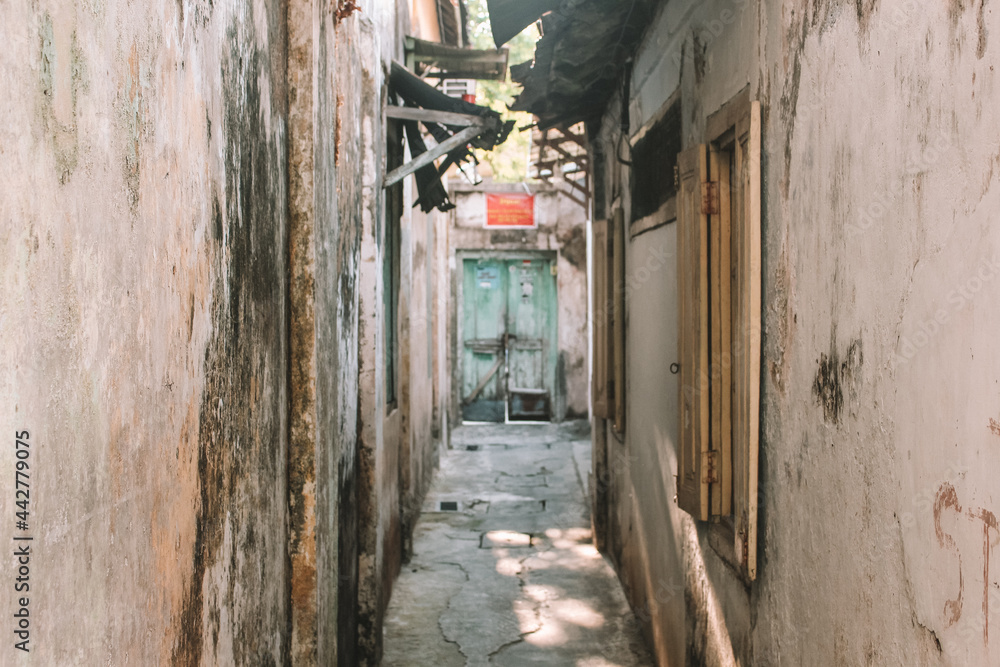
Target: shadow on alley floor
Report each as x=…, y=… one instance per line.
x=504, y=570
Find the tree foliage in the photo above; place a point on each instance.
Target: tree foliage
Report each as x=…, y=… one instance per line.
x=509, y=162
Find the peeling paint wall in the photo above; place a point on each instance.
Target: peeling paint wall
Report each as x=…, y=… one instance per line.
x=561, y=228
x=192, y=198
x=142, y=313
x=419, y=444
x=879, y=400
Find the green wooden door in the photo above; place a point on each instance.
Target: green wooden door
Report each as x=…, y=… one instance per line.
x=508, y=339
x=531, y=339
x=484, y=315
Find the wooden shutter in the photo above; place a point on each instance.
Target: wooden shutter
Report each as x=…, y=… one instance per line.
x=746, y=343
x=618, y=330
x=601, y=320
x=693, y=465
x=720, y=329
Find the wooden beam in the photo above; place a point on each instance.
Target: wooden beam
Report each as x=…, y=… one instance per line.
x=565, y=153
x=575, y=139
x=581, y=188
x=434, y=116
x=581, y=202
x=424, y=159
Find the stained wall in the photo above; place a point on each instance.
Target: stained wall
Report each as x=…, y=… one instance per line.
x=879, y=378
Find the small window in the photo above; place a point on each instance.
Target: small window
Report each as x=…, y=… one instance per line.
x=718, y=236
x=654, y=157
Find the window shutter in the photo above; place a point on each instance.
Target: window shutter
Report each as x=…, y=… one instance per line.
x=618, y=268
x=746, y=322
x=720, y=327
x=602, y=319
x=693, y=459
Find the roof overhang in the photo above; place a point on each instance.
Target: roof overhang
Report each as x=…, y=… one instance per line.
x=579, y=59
x=509, y=17
x=456, y=125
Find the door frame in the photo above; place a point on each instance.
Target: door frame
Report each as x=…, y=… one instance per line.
x=458, y=302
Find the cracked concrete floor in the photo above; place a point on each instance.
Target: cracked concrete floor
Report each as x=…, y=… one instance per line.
x=504, y=570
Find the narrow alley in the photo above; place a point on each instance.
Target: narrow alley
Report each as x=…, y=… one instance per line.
x=504, y=569
x=433, y=333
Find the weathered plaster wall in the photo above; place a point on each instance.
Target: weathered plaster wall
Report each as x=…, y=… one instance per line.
x=879, y=379
x=561, y=229
x=142, y=313
x=418, y=444
x=193, y=342
x=881, y=274
x=441, y=275
x=324, y=72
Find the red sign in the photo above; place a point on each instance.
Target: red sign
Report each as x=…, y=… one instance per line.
x=513, y=210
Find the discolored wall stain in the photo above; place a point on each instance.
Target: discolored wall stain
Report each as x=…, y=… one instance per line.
x=240, y=526
x=62, y=77
x=832, y=376
x=573, y=243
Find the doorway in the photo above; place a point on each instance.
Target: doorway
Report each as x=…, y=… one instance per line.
x=508, y=338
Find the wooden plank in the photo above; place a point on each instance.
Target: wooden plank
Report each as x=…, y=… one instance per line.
x=434, y=116
x=728, y=115
x=741, y=307
x=424, y=159
x=754, y=224
x=576, y=139
x=577, y=186
x=715, y=269
x=746, y=317
x=724, y=372
x=482, y=383
x=692, y=278
x=618, y=285
x=666, y=213
x=638, y=135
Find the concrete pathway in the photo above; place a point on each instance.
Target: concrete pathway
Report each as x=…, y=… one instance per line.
x=504, y=571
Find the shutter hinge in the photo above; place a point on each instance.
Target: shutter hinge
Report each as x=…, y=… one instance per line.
x=710, y=198
x=708, y=467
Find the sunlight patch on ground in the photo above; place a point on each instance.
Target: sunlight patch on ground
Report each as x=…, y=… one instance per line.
x=577, y=612
x=550, y=635
x=506, y=538
x=596, y=662
x=510, y=567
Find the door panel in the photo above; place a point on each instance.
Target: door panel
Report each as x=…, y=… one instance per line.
x=484, y=315
x=531, y=339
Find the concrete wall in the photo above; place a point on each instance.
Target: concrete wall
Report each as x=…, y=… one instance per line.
x=143, y=318
x=879, y=404
x=191, y=198
x=419, y=444
x=562, y=228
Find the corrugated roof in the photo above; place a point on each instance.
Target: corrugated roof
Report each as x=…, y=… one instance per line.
x=579, y=58
x=509, y=17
